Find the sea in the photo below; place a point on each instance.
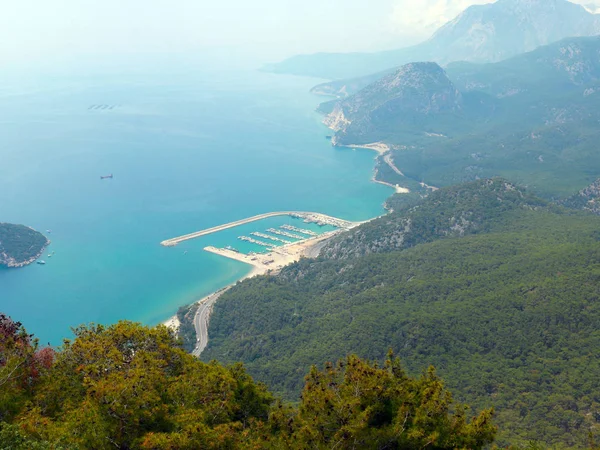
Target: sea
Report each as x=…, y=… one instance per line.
x=187, y=151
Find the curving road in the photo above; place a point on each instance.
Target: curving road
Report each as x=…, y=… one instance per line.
x=201, y=320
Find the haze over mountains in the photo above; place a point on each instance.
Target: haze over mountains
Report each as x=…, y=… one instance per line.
x=482, y=33
x=532, y=118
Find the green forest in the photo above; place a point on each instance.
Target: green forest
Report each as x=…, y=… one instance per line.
x=496, y=288
x=532, y=119
x=18, y=244
x=132, y=387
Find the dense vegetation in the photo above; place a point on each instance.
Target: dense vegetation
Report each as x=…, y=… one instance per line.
x=131, y=387
x=506, y=308
x=19, y=244
x=532, y=119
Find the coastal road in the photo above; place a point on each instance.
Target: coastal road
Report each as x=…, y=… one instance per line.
x=202, y=318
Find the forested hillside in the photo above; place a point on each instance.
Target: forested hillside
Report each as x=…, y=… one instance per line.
x=20, y=245
x=506, y=308
x=132, y=387
x=532, y=119
x=452, y=212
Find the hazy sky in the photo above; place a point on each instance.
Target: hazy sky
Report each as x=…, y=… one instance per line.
x=43, y=30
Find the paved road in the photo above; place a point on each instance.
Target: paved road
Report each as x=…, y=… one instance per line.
x=201, y=320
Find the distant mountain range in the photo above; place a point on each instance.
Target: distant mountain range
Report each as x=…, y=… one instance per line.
x=482, y=33
x=534, y=117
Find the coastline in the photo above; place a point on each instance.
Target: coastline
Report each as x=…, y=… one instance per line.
x=18, y=265
x=380, y=147
x=399, y=189
x=261, y=264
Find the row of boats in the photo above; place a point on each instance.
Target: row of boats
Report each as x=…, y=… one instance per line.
x=298, y=234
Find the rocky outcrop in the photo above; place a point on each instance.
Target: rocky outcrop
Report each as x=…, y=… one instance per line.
x=588, y=199
x=337, y=120
x=415, y=90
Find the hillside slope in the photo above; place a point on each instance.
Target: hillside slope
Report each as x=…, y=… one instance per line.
x=20, y=245
x=507, y=314
x=532, y=119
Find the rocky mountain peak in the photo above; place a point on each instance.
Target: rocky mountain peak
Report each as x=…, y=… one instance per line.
x=493, y=32
x=421, y=87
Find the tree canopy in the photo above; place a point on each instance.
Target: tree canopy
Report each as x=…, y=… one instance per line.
x=132, y=387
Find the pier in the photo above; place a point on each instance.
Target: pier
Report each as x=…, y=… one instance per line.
x=286, y=234
x=272, y=238
x=299, y=230
x=257, y=242
x=308, y=217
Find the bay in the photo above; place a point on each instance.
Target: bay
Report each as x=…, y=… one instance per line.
x=187, y=152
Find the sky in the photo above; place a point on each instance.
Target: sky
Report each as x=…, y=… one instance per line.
x=37, y=31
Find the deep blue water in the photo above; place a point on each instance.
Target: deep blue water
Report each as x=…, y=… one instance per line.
x=187, y=153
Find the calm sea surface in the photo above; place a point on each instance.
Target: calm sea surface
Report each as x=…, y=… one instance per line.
x=187, y=153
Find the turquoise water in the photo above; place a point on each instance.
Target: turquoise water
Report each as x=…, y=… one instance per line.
x=187, y=153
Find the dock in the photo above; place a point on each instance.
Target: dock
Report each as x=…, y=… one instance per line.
x=257, y=242
x=286, y=234
x=272, y=238
x=299, y=230
x=308, y=217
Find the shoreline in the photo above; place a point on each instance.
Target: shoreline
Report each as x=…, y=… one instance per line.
x=399, y=189
x=380, y=147
x=14, y=265
x=261, y=264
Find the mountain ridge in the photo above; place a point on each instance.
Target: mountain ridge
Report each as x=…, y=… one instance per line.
x=481, y=33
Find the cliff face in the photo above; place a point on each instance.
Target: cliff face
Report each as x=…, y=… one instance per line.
x=20, y=245
x=412, y=94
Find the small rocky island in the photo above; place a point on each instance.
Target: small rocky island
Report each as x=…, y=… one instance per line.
x=20, y=245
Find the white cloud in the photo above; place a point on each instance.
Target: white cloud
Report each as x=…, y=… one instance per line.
x=421, y=17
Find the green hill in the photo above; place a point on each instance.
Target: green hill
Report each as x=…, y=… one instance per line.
x=20, y=245
x=132, y=387
x=531, y=119
x=507, y=310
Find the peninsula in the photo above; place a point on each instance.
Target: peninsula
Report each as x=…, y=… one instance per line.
x=20, y=245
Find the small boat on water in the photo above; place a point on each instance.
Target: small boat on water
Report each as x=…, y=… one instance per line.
x=41, y=262
x=106, y=177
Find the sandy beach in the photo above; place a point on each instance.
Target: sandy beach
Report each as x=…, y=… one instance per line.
x=379, y=147
x=397, y=188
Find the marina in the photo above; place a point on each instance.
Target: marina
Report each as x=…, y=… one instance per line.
x=257, y=242
x=307, y=217
x=285, y=233
x=272, y=238
x=299, y=230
